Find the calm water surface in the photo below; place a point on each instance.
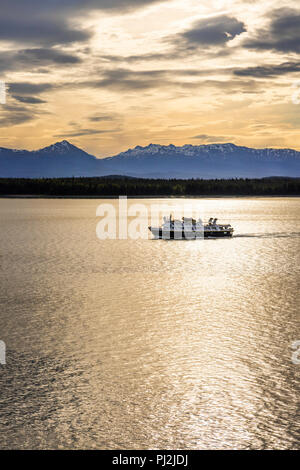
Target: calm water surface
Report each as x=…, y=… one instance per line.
x=149, y=343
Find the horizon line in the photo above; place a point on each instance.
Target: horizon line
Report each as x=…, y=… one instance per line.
x=146, y=146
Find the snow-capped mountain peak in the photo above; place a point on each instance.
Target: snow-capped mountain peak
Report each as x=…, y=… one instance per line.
x=158, y=161
x=59, y=147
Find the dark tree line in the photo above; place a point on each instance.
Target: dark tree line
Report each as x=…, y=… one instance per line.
x=115, y=186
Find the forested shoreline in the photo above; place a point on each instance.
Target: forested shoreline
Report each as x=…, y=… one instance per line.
x=115, y=186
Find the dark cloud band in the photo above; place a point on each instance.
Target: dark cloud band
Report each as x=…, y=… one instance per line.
x=269, y=70
x=26, y=59
x=214, y=31
x=281, y=35
x=50, y=22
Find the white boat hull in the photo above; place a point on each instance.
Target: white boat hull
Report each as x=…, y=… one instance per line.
x=187, y=234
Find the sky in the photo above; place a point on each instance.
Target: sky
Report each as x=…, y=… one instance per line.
x=108, y=75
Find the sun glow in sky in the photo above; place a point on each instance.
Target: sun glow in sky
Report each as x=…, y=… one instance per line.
x=112, y=74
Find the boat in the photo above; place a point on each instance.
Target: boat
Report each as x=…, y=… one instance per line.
x=190, y=229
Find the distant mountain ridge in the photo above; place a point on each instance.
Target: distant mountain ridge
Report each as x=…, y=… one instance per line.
x=64, y=159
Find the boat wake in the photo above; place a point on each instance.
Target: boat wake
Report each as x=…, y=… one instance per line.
x=269, y=235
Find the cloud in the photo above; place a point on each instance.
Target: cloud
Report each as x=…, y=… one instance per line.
x=214, y=31
x=263, y=71
x=282, y=34
x=43, y=56
x=44, y=31
x=27, y=88
x=122, y=79
x=210, y=138
x=15, y=119
x=23, y=92
x=50, y=22
x=148, y=57
x=29, y=99
x=14, y=114
x=125, y=79
x=179, y=52
x=39, y=8
x=100, y=118
x=205, y=33
x=26, y=59
x=234, y=86
x=82, y=132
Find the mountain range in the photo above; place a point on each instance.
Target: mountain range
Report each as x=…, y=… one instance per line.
x=63, y=159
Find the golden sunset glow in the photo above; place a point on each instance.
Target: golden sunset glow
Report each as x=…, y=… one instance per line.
x=115, y=74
